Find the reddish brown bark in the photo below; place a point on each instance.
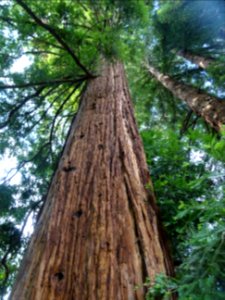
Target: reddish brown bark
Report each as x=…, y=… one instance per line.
x=98, y=236
x=210, y=108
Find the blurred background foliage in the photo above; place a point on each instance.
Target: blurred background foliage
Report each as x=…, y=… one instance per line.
x=63, y=43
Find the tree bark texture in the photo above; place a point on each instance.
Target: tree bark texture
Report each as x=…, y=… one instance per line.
x=210, y=108
x=98, y=235
x=202, y=62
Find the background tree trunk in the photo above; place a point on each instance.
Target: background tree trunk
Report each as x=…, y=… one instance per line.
x=208, y=107
x=202, y=62
x=98, y=236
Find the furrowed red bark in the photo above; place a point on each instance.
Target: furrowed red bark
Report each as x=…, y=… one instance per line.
x=98, y=236
x=202, y=62
x=210, y=108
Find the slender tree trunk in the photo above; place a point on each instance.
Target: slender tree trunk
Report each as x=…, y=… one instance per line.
x=210, y=108
x=98, y=236
x=201, y=61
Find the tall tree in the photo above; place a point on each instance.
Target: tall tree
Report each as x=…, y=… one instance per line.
x=101, y=198
x=99, y=234
x=187, y=33
x=208, y=107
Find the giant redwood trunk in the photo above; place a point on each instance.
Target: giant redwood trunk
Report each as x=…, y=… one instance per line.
x=98, y=236
x=210, y=108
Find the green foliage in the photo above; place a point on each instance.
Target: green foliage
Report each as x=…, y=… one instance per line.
x=10, y=243
x=196, y=28
x=38, y=103
x=9, y=237
x=189, y=25
x=6, y=198
x=190, y=183
x=162, y=288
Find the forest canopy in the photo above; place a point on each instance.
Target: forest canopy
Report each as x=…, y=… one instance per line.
x=174, y=58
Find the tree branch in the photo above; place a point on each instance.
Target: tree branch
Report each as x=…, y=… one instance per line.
x=9, y=21
x=38, y=52
x=59, y=94
x=186, y=122
x=43, y=83
x=16, y=108
x=57, y=114
x=55, y=35
x=24, y=101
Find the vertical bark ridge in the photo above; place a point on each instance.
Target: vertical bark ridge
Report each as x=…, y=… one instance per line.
x=98, y=236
